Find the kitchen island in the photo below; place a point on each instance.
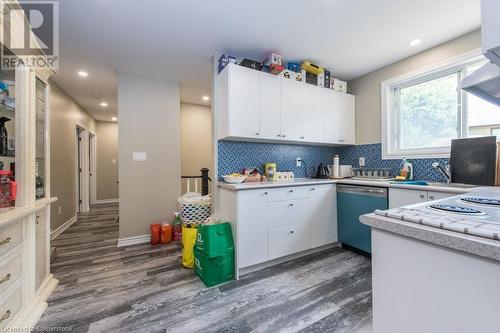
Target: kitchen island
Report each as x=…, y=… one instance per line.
x=430, y=278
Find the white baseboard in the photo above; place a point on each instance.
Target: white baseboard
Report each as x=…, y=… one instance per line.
x=62, y=227
x=134, y=240
x=106, y=201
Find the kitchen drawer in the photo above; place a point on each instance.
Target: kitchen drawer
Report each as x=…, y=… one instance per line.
x=289, y=240
x=10, y=305
x=288, y=193
x=286, y=213
x=11, y=269
x=400, y=197
x=11, y=236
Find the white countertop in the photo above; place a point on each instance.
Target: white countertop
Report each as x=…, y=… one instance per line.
x=447, y=188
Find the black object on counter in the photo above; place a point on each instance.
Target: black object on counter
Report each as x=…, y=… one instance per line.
x=322, y=172
x=473, y=161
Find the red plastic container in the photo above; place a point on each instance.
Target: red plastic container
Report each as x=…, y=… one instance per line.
x=155, y=233
x=166, y=233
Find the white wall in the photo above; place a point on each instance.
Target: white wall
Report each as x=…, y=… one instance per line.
x=196, y=133
x=367, y=87
x=149, y=121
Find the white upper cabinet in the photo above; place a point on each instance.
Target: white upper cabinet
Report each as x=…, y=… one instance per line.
x=243, y=102
x=332, y=117
x=347, y=119
x=257, y=105
x=270, y=106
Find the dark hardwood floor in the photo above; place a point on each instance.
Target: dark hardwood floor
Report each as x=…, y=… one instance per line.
x=144, y=288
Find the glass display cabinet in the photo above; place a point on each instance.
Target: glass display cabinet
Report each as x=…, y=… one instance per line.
x=25, y=279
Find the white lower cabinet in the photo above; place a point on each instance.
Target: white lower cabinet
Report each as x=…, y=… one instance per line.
x=272, y=223
x=252, y=217
x=288, y=240
x=323, y=207
x=403, y=197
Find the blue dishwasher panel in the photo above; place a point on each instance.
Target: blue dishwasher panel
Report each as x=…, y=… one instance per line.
x=352, y=202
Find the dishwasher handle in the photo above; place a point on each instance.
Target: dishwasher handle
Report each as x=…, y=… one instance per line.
x=374, y=191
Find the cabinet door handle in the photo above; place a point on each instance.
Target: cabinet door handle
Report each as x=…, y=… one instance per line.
x=6, y=278
x=257, y=133
x=290, y=205
x=278, y=135
x=302, y=137
x=5, y=316
x=291, y=231
x=5, y=241
x=422, y=196
x=265, y=193
x=291, y=191
x=431, y=197
x=283, y=135
x=37, y=219
x=313, y=189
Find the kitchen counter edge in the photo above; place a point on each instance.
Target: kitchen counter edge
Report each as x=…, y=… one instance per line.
x=483, y=247
x=311, y=181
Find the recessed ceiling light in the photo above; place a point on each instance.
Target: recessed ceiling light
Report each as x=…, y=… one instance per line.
x=415, y=42
x=104, y=104
x=206, y=98
x=114, y=118
x=83, y=73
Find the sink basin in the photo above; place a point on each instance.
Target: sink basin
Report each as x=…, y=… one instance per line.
x=452, y=185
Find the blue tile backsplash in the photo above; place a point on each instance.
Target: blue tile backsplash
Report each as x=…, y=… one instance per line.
x=233, y=156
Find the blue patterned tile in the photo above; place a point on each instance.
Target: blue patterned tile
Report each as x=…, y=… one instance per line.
x=233, y=156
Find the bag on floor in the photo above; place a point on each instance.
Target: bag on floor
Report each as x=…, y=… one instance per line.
x=188, y=241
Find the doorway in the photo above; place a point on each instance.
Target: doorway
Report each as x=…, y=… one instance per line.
x=80, y=168
x=92, y=169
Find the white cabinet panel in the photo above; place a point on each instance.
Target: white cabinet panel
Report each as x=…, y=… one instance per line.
x=347, y=119
x=432, y=195
x=332, y=116
x=288, y=240
x=286, y=213
x=270, y=106
x=288, y=193
x=323, y=210
x=313, y=115
x=252, y=246
x=42, y=247
x=293, y=107
x=400, y=197
x=243, y=102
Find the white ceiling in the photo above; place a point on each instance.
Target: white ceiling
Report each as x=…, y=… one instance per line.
x=174, y=40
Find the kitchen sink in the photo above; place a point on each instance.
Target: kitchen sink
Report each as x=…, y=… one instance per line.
x=452, y=185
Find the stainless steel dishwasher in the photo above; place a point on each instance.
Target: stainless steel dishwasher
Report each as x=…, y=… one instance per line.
x=352, y=202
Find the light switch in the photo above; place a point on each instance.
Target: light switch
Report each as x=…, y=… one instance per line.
x=139, y=156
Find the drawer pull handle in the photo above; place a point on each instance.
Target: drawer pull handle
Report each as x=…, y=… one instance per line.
x=6, y=278
x=291, y=231
x=291, y=205
x=5, y=316
x=291, y=191
x=313, y=189
x=265, y=193
x=302, y=137
x=5, y=241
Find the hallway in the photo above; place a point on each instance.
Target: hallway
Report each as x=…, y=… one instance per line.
x=141, y=288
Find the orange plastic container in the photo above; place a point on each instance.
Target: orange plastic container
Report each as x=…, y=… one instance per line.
x=155, y=234
x=166, y=233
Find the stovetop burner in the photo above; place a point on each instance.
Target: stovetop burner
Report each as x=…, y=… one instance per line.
x=457, y=209
x=482, y=201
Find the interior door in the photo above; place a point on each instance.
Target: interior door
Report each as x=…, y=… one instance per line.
x=79, y=154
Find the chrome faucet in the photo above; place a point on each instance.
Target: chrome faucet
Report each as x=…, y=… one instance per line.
x=445, y=171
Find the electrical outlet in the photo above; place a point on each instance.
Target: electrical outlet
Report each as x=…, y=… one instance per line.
x=362, y=162
x=298, y=161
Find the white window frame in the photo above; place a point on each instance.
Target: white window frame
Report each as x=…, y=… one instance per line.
x=390, y=114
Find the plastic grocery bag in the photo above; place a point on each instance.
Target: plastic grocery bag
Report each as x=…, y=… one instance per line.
x=188, y=241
